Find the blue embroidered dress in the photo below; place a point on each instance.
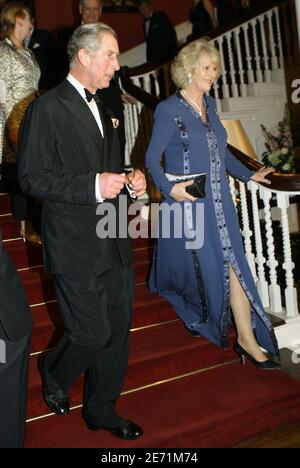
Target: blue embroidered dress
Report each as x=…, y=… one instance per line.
x=196, y=280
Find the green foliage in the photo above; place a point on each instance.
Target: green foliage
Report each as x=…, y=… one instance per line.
x=279, y=144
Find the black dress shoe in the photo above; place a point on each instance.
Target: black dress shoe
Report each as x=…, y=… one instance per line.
x=58, y=401
x=126, y=431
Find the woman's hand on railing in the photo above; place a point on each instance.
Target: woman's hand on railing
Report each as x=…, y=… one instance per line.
x=260, y=175
x=179, y=193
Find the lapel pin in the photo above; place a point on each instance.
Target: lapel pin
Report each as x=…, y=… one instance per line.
x=115, y=123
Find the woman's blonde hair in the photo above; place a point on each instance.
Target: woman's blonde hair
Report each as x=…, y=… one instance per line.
x=189, y=57
x=9, y=14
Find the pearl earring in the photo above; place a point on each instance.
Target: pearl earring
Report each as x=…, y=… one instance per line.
x=190, y=79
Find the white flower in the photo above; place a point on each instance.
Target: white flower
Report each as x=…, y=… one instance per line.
x=286, y=167
x=284, y=151
x=274, y=157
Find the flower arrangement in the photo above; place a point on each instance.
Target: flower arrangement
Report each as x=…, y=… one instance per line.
x=279, y=144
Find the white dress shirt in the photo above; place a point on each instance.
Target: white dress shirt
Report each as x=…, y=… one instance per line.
x=147, y=24
x=94, y=109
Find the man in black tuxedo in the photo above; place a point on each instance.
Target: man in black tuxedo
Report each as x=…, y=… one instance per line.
x=41, y=43
x=160, y=34
x=15, y=331
x=161, y=41
x=90, y=12
x=70, y=157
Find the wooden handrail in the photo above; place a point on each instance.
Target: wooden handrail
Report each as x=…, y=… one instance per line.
x=282, y=182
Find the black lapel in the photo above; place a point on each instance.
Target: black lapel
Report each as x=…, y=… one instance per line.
x=32, y=40
x=74, y=102
x=108, y=131
x=36, y=37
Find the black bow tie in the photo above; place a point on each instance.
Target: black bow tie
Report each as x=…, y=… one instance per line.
x=90, y=96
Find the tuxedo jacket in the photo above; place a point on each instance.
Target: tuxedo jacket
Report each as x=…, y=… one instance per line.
x=15, y=316
x=111, y=96
x=60, y=152
x=161, y=39
x=41, y=44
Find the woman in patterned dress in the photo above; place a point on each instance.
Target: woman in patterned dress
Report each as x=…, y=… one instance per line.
x=19, y=77
x=204, y=282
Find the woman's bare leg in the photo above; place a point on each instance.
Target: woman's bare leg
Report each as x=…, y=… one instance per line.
x=240, y=307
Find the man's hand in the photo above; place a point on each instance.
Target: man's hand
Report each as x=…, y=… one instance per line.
x=111, y=184
x=128, y=99
x=179, y=193
x=260, y=175
x=137, y=182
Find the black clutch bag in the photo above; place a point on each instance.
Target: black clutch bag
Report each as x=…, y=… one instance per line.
x=197, y=189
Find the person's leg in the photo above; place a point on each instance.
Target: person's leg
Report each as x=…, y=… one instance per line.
x=13, y=392
x=240, y=307
x=87, y=330
x=105, y=377
x=21, y=204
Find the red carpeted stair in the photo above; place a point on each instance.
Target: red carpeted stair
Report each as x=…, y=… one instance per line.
x=184, y=391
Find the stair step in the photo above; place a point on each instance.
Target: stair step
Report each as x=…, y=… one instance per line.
x=5, y=204
x=10, y=229
x=253, y=103
x=24, y=255
x=158, y=353
x=266, y=89
x=154, y=312
x=219, y=407
x=39, y=285
x=48, y=325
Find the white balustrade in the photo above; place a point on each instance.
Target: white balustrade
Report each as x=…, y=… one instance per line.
x=255, y=50
x=272, y=263
x=262, y=25
x=232, y=71
x=225, y=87
x=290, y=290
x=260, y=260
x=250, y=72
x=241, y=71
x=279, y=298
x=279, y=40
x=246, y=231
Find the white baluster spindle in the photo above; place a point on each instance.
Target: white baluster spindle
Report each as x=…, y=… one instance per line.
x=291, y=305
x=262, y=284
x=246, y=231
x=272, y=263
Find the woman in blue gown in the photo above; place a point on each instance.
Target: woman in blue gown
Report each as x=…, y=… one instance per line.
x=203, y=282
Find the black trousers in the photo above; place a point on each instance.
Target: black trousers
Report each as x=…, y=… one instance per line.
x=21, y=204
x=13, y=390
x=97, y=314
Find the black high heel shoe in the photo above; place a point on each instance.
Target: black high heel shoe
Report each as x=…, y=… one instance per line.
x=265, y=365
